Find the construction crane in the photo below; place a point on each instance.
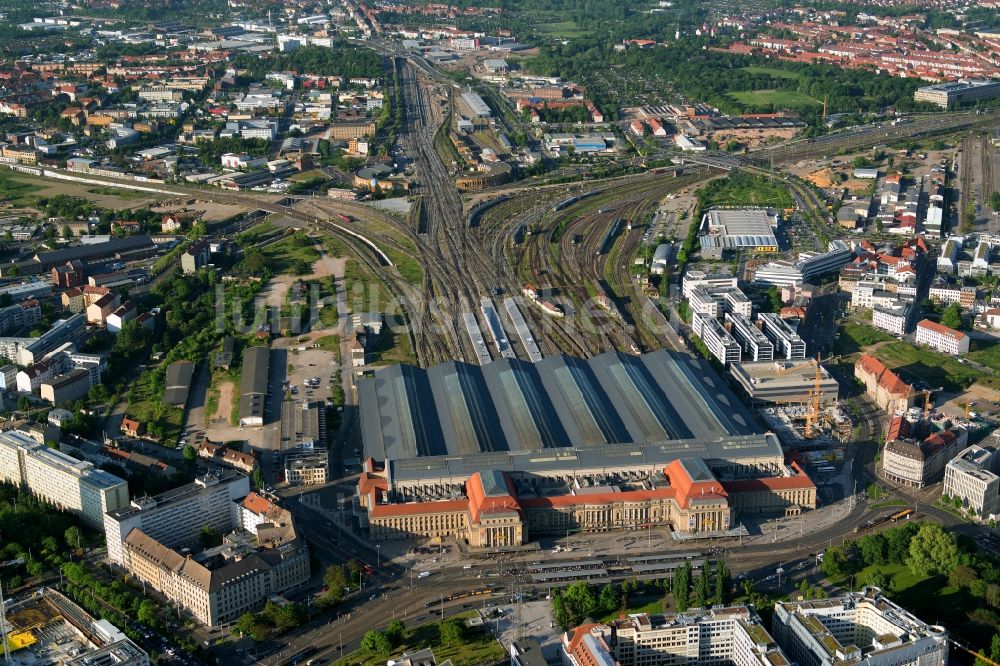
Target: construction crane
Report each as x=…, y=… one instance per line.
x=812, y=411
x=979, y=657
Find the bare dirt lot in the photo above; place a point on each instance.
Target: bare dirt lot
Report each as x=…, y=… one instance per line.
x=225, y=408
x=214, y=212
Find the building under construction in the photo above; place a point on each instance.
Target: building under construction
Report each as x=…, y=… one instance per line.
x=785, y=381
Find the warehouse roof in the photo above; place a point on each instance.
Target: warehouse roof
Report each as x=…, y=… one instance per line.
x=178, y=383
x=253, y=381
x=93, y=250
x=455, y=409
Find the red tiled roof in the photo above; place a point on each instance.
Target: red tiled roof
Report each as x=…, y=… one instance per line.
x=940, y=329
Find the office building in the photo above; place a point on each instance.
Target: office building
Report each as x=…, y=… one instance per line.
x=756, y=346
x=969, y=477
x=253, y=385
x=860, y=627
x=720, y=636
x=713, y=301
x=784, y=381
x=883, y=385
x=695, y=278
x=261, y=556
x=948, y=94
x=808, y=265
x=945, y=340
x=787, y=343
x=177, y=516
x=720, y=344
x=60, y=480
x=725, y=232
x=918, y=449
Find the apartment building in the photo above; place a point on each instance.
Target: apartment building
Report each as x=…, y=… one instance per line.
x=787, y=343
x=756, y=346
x=721, y=345
x=945, y=340
x=718, y=636
x=948, y=293
x=177, y=516
x=969, y=476
x=60, y=480
x=883, y=385
x=863, y=627
x=894, y=317
x=260, y=556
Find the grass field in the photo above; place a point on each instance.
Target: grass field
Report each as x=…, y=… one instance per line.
x=772, y=72
x=777, y=98
x=985, y=353
x=288, y=254
x=647, y=604
x=477, y=648
x=561, y=29
x=16, y=189
x=929, y=366
x=120, y=193
x=855, y=337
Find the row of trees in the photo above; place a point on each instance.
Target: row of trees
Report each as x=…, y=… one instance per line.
x=274, y=618
x=580, y=601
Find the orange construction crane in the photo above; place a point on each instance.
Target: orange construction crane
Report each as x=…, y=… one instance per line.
x=812, y=402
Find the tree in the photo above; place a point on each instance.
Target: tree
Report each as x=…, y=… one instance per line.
x=376, y=641
x=579, y=601
x=335, y=580
x=952, y=316
x=23, y=404
x=210, y=537
x=147, y=613
x=874, y=549
x=723, y=582
x=394, y=632
x=681, y=587
x=609, y=599
x=962, y=576
x=834, y=561
x=190, y=455
x=73, y=536
x=452, y=632
x=258, y=478
x=932, y=551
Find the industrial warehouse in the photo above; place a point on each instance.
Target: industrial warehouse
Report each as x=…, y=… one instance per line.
x=500, y=454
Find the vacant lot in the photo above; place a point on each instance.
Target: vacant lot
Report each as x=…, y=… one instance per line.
x=855, y=337
x=918, y=363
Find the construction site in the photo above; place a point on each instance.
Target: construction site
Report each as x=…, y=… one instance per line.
x=45, y=627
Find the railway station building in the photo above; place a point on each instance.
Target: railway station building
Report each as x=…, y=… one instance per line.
x=501, y=454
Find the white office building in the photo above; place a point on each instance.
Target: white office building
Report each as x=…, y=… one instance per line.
x=731, y=636
x=969, y=476
x=696, y=278
x=60, y=480
x=859, y=627
x=787, y=343
x=179, y=515
x=756, y=345
x=721, y=345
